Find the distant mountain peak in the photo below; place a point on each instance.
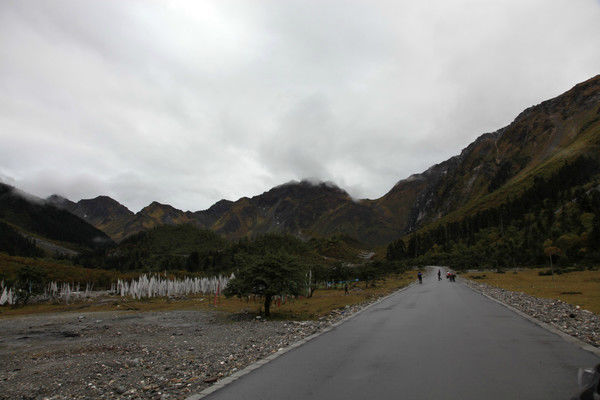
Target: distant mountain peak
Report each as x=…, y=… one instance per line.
x=105, y=198
x=155, y=205
x=59, y=201
x=221, y=205
x=103, y=207
x=309, y=182
x=309, y=185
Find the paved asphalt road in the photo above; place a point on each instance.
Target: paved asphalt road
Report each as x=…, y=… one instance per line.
x=438, y=340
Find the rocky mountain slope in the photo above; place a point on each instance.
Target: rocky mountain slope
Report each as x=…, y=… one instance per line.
x=103, y=212
x=503, y=163
x=34, y=218
x=494, y=167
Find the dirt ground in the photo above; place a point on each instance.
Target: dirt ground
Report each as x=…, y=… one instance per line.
x=149, y=355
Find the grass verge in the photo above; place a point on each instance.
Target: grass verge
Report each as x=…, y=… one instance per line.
x=577, y=287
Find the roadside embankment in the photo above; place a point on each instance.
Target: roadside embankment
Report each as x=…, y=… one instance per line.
x=568, y=318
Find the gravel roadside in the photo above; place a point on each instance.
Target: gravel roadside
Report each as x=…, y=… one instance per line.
x=150, y=355
x=570, y=319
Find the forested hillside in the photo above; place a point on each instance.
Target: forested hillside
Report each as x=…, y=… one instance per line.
x=15, y=244
x=557, y=217
x=189, y=248
x=39, y=218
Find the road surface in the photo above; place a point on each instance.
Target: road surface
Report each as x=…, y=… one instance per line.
x=438, y=340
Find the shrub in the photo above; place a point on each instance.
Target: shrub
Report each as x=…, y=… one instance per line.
x=31, y=280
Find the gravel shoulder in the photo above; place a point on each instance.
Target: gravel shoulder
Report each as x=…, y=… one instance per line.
x=570, y=319
x=143, y=355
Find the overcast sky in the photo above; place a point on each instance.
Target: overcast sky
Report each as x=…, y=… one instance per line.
x=189, y=102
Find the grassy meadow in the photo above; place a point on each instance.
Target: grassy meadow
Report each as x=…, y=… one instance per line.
x=577, y=287
x=57, y=270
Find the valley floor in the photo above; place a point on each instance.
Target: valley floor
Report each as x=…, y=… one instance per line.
x=150, y=355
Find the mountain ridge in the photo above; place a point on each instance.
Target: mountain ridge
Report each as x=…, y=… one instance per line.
x=42, y=222
x=494, y=165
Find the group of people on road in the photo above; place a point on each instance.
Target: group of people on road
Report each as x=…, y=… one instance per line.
x=451, y=276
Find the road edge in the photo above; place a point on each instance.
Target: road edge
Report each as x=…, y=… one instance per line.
x=257, y=364
x=565, y=336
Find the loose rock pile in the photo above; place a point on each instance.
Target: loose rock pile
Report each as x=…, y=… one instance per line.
x=153, y=355
x=573, y=320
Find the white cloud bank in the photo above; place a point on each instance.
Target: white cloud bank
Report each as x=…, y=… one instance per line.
x=190, y=102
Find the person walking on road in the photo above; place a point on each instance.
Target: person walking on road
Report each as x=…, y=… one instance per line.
x=420, y=276
x=439, y=274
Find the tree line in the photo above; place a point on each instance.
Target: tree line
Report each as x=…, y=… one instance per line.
x=14, y=244
x=561, y=211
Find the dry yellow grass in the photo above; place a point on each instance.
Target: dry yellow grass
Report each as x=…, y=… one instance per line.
x=578, y=288
x=322, y=302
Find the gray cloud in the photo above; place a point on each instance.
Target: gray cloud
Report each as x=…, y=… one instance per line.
x=189, y=102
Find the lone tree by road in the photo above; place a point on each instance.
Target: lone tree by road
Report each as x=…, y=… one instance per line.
x=550, y=250
x=268, y=276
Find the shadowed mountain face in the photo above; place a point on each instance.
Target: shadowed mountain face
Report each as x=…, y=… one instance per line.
x=98, y=211
x=103, y=212
x=492, y=168
x=34, y=216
